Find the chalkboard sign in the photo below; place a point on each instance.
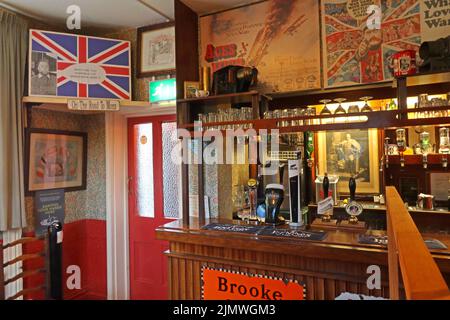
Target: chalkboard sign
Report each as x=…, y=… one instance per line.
x=288, y=233
x=233, y=228
x=49, y=207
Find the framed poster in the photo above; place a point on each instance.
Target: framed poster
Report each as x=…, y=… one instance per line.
x=347, y=153
x=280, y=38
x=360, y=37
x=70, y=65
x=55, y=160
x=156, y=50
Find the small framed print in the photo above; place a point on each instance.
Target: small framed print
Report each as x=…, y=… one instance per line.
x=190, y=87
x=156, y=50
x=55, y=160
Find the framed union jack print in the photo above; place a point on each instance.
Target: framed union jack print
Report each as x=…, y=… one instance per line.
x=69, y=65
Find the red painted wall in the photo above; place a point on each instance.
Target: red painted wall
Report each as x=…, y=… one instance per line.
x=84, y=245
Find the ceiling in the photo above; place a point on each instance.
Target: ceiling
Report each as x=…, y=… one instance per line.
x=209, y=6
x=114, y=14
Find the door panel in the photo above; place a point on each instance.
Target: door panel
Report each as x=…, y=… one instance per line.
x=148, y=265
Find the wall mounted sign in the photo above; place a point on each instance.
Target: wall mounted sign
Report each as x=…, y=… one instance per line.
x=49, y=208
x=354, y=53
x=70, y=65
x=280, y=38
x=93, y=104
x=162, y=90
x=221, y=284
x=55, y=160
x=156, y=50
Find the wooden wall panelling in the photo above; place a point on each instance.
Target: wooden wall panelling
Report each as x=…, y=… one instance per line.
x=324, y=278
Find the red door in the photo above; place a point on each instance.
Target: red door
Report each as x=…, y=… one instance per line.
x=148, y=265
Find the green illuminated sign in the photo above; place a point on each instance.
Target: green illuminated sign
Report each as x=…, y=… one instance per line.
x=163, y=90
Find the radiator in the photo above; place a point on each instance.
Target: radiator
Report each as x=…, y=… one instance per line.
x=11, y=271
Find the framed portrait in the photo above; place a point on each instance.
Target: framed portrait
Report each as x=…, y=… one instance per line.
x=347, y=153
x=190, y=87
x=55, y=160
x=156, y=50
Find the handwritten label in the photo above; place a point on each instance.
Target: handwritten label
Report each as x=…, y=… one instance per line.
x=87, y=73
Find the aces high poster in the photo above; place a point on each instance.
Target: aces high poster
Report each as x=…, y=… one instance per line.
x=358, y=46
x=280, y=38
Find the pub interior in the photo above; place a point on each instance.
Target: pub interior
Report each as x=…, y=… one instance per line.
x=227, y=150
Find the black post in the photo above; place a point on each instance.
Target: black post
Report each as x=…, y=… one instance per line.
x=55, y=260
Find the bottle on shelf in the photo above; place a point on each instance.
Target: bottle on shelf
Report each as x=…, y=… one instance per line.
x=401, y=144
x=444, y=141
x=392, y=105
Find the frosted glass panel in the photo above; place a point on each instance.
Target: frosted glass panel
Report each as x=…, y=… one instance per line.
x=144, y=170
x=171, y=172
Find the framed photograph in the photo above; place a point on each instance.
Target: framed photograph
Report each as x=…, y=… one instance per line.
x=43, y=73
x=156, y=50
x=189, y=88
x=55, y=160
x=347, y=153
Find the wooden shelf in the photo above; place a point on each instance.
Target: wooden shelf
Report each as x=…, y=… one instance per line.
x=374, y=119
x=63, y=101
x=416, y=159
x=431, y=83
x=241, y=97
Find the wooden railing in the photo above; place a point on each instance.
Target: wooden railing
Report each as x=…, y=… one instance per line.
x=421, y=276
x=29, y=271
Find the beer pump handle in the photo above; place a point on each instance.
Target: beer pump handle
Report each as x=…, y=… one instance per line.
x=325, y=185
x=352, y=188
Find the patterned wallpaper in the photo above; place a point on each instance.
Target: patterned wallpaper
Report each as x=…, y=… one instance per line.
x=89, y=203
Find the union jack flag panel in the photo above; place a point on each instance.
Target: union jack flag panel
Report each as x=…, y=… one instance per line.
x=69, y=65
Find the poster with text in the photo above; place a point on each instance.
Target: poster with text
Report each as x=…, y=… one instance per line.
x=280, y=38
x=359, y=37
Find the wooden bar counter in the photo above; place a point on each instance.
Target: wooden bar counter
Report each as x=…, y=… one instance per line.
x=327, y=268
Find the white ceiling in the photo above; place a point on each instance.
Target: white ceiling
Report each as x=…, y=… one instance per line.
x=209, y=6
x=114, y=14
x=97, y=13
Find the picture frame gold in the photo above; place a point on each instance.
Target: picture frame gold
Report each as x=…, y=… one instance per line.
x=369, y=181
x=189, y=88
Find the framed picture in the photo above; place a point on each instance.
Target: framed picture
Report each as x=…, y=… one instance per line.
x=55, y=160
x=189, y=88
x=347, y=153
x=156, y=50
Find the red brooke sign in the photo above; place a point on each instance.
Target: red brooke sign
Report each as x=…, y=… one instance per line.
x=225, y=285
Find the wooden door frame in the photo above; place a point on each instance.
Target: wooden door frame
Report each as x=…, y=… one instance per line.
x=117, y=241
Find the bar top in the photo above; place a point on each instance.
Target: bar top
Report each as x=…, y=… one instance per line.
x=178, y=231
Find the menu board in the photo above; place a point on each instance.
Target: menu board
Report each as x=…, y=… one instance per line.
x=359, y=37
x=49, y=208
x=280, y=38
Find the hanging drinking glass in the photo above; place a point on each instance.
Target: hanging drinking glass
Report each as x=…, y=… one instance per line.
x=325, y=111
x=340, y=109
x=366, y=107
